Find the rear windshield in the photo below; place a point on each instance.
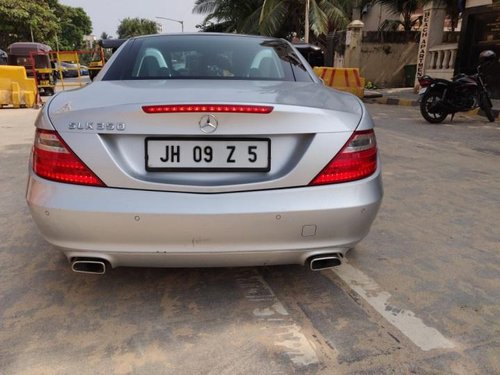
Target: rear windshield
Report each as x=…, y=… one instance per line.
x=207, y=57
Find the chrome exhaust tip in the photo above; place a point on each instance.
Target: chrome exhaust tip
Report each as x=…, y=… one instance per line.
x=93, y=266
x=325, y=261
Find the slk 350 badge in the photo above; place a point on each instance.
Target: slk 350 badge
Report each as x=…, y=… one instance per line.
x=109, y=126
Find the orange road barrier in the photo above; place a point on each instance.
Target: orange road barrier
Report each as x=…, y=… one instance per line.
x=344, y=79
x=16, y=89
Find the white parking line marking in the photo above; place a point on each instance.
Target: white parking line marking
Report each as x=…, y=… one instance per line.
x=425, y=337
x=299, y=349
x=287, y=334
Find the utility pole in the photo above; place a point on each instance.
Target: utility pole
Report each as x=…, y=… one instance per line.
x=356, y=10
x=306, y=27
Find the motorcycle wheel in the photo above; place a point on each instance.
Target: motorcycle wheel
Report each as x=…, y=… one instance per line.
x=428, y=99
x=485, y=105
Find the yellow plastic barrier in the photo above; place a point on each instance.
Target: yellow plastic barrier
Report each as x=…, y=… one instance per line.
x=66, y=55
x=15, y=88
x=344, y=79
x=72, y=57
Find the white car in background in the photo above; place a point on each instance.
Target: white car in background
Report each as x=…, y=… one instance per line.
x=204, y=150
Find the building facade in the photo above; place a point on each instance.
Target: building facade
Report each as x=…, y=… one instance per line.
x=480, y=32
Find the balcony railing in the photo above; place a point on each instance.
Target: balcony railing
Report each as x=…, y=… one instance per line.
x=442, y=60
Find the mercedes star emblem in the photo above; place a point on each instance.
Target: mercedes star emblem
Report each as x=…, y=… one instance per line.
x=208, y=124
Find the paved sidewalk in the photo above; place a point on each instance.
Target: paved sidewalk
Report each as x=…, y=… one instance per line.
x=395, y=96
x=407, y=97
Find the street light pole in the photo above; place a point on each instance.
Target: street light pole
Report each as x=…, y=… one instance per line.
x=171, y=19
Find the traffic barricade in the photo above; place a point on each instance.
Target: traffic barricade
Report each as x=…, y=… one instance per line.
x=344, y=79
x=69, y=68
x=16, y=89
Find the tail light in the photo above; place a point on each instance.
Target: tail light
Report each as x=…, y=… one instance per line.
x=227, y=108
x=54, y=160
x=356, y=160
x=424, y=81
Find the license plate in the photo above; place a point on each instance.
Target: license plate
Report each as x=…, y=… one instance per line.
x=210, y=155
x=44, y=83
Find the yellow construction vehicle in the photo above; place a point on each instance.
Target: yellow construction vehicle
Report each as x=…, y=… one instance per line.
x=103, y=51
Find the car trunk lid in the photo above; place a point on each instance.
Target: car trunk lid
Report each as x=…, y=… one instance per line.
x=106, y=126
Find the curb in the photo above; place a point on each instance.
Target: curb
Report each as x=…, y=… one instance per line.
x=415, y=103
x=392, y=101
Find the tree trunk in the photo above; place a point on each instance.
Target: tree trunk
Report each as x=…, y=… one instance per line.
x=306, y=27
x=407, y=21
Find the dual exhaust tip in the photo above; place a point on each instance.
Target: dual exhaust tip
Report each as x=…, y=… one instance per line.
x=97, y=266
x=325, y=261
x=94, y=266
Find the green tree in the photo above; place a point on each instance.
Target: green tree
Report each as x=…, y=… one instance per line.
x=105, y=35
x=323, y=16
x=230, y=15
x=75, y=23
x=405, y=8
x=20, y=19
x=44, y=21
x=272, y=17
x=130, y=27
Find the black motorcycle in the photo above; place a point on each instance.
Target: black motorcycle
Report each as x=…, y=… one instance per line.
x=440, y=97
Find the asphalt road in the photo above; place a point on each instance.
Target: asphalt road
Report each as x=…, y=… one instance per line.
x=419, y=295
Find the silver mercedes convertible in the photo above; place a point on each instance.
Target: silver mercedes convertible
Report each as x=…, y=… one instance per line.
x=204, y=150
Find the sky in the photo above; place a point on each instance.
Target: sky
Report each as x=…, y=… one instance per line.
x=107, y=14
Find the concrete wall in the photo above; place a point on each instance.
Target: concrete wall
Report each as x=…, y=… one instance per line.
x=383, y=63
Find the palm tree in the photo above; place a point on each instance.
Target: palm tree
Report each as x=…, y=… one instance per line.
x=406, y=8
x=229, y=15
x=273, y=17
x=319, y=16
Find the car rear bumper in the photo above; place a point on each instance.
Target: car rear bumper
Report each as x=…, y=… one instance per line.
x=151, y=228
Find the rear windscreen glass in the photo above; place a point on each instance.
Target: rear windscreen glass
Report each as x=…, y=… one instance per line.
x=207, y=57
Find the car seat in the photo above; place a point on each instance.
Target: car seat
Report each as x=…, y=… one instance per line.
x=267, y=68
x=150, y=67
